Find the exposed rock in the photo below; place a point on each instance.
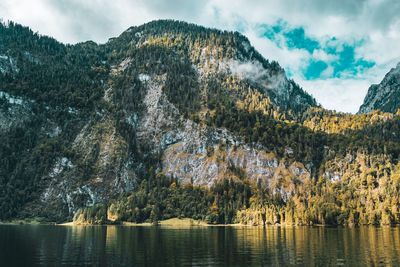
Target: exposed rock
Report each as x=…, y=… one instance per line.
x=7, y=65
x=384, y=96
x=196, y=153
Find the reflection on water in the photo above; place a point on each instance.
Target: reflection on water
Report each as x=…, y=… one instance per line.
x=28, y=245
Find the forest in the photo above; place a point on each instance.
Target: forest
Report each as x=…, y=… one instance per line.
x=70, y=87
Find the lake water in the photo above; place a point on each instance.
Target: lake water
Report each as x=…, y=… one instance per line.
x=29, y=245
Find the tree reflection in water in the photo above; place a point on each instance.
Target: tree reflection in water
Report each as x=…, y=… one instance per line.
x=139, y=245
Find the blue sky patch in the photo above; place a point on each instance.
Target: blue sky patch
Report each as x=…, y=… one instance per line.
x=347, y=63
x=315, y=69
x=343, y=62
x=296, y=38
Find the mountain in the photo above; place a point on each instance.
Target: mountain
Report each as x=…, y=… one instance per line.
x=384, y=96
x=172, y=119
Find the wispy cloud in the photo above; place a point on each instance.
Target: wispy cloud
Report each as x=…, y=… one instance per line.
x=255, y=72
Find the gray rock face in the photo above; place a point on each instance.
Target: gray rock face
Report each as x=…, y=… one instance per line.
x=18, y=110
x=384, y=96
x=190, y=151
x=196, y=153
x=7, y=65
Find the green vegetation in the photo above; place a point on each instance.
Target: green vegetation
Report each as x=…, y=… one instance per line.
x=57, y=86
x=360, y=199
x=69, y=92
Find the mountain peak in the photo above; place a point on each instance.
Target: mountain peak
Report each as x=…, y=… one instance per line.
x=214, y=52
x=384, y=96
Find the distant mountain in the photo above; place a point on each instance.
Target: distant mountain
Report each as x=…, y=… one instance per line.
x=172, y=119
x=384, y=96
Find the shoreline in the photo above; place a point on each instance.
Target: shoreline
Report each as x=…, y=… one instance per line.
x=170, y=223
x=188, y=222
x=25, y=222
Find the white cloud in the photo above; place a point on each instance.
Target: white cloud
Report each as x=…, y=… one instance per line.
x=319, y=54
x=256, y=72
x=328, y=72
x=337, y=94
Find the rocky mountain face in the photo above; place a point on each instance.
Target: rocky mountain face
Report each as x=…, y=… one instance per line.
x=86, y=125
x=384, y=96
x=87, y=122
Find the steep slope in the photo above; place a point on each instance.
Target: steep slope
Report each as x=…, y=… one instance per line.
x=212, y=52
x=384, y=96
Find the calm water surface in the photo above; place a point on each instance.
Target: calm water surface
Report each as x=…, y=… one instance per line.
x=27, y=245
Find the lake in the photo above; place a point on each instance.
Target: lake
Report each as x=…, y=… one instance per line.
x=30, y=245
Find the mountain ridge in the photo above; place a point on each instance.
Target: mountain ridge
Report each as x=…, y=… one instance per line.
x=384, y=96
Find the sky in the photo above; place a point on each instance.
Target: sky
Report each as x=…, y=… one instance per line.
x=334, y=49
